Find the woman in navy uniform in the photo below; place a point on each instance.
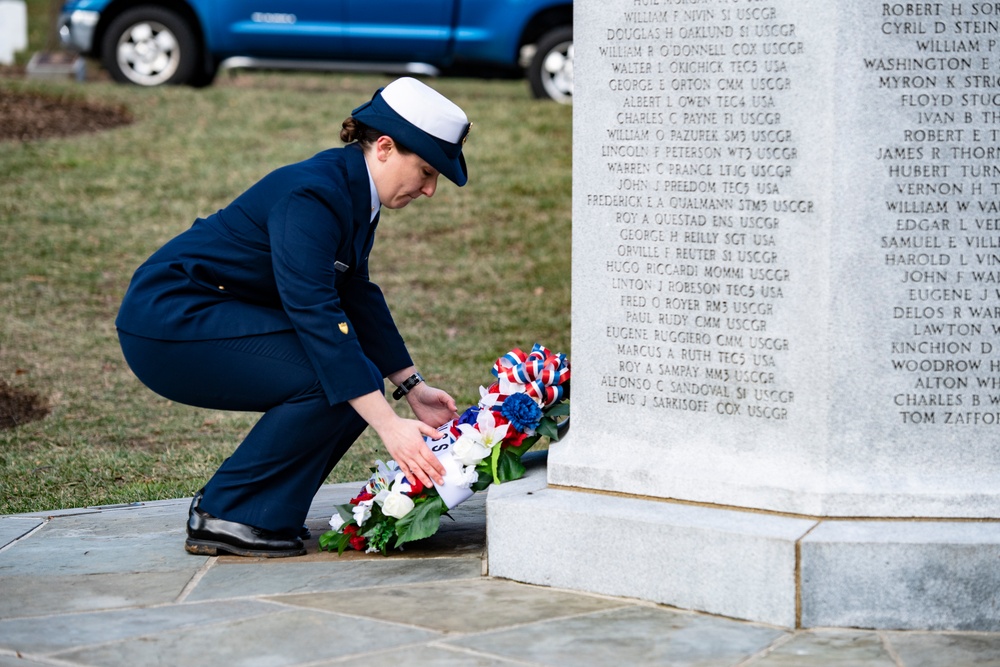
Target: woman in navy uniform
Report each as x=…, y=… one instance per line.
x=267, y=306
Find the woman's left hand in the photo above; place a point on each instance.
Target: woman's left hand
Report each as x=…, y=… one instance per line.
x=432, y=406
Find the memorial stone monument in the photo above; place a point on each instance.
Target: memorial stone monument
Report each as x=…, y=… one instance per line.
x=786, y=316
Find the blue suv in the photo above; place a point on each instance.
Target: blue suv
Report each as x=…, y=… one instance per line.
x=154, y=42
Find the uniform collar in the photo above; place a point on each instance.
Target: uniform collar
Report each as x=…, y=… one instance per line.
x=359, y=186
x=376, y=203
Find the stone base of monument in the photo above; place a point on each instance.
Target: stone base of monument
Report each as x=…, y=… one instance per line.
x=778, y=569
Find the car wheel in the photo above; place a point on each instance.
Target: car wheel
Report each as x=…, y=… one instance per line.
x=551, y=70
x=150, y=46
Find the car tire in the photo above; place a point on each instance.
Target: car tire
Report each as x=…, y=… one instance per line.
x=204, y=75
x=550, y=72
x=150, y=46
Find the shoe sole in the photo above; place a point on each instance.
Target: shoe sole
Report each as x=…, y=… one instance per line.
x=206, y=548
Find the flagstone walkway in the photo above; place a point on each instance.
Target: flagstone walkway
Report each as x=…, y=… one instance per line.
x=113, y=586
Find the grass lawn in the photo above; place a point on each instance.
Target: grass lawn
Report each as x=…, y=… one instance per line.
x=469, y=274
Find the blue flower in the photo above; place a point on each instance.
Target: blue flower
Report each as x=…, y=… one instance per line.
x=469, y=416
x=522, y=412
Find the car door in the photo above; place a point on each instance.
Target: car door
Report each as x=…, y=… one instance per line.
x=399, y=30
x=308, y=29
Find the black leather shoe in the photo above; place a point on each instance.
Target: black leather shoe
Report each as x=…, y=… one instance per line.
x=305, y=533
x=209, y=536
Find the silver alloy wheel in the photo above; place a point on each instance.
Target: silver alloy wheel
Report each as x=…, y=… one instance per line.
x=557, y=72
x=148, y=53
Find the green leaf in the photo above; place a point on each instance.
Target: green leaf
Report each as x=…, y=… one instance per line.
x=376, y=519
x=548, y=429
x=332, y=539
x=509, y=467
x=484, y=481
x=494, y=457
x=421, y=522
x=558, y=410
x=326, y=538
x=525, y=446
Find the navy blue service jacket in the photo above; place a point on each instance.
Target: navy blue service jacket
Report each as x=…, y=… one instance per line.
x=290, y=253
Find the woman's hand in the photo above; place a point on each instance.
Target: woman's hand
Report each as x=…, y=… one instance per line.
x=403, y=438
x=432, y=406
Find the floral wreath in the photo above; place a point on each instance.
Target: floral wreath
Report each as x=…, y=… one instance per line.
x=528, y=401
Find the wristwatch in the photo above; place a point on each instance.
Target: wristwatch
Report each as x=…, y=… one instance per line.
x=407, y=385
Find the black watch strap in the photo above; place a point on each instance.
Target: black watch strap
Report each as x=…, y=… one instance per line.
x=406, y=385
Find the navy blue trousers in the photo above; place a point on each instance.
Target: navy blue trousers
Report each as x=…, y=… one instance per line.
x=270, y=480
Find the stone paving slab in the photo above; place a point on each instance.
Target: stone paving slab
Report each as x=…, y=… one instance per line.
x=47, y=555
x=102, y=543
x=20, y=661
x=277, y=576
x=62, y=632
x=634, y=635
x=41, y=595
x=426, y=656
x=829, y=649
x=146, y=508
x=940, y=649
x=458, y=606
x=13, y=527
x=285, y=637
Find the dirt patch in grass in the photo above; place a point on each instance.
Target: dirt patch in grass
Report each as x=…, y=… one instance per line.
x=26, y=116
x=19, y=406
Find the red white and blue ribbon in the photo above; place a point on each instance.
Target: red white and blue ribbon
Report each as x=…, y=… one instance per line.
x=541, y=372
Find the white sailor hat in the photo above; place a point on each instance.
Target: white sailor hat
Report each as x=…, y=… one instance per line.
x=423, y=120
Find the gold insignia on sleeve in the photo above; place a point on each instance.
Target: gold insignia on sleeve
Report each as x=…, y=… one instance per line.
x=343, y=328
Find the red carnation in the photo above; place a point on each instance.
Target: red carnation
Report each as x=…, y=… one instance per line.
x=416, y=487
x=513, y=439
x=356, y=541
